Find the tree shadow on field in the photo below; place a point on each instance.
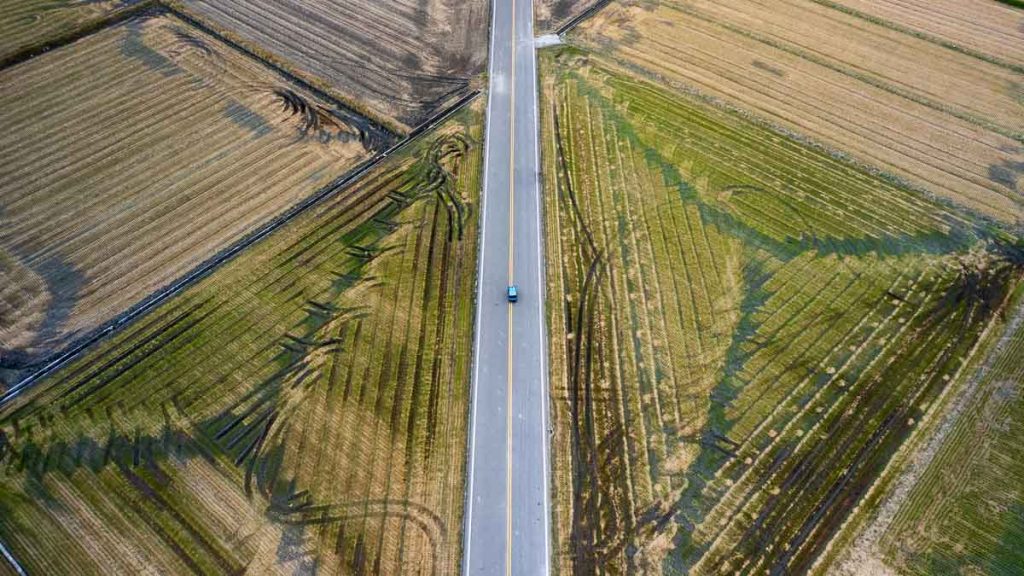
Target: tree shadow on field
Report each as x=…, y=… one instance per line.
x=248, y=438
x=982, y=268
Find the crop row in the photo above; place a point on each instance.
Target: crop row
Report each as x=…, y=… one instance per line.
x=985, y=30
x=647, y=297
x=303, y=406
x=749, y=328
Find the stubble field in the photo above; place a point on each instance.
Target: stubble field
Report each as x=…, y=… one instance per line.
x=948, y=121
x=133, y=155
x=743, y=328
x=302, y=408
x=402, y=61
x=989, y=30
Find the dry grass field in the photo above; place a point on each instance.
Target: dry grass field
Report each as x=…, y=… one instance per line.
x=27, y=24
x=401, y=60
x=946, y=120
x=133, y=155
x=744, y=329
x=301, y=409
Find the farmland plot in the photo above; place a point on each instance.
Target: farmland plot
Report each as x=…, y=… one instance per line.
x=403, y=59
x=745, y=330
x=983, y=27
x=135, y=154
x=303, y=408
x=25, y=24
x=942, y=120
x=965, y=514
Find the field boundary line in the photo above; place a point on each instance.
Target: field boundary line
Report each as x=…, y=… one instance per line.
x=40, y=48
x=225, y=255
x=12, y=561
x=579, y=18
x=542, y=325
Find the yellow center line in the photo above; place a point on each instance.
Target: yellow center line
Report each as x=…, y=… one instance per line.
x=511, y=281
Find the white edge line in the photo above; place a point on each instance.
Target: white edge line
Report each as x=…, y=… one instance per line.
x=542, y=324
x=479, y=298
x=12, y=561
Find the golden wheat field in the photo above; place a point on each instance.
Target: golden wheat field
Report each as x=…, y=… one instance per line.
x=782, y=283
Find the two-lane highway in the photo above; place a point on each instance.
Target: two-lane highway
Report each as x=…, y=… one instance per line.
x=507, y=528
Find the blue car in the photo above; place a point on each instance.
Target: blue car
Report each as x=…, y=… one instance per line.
x=513, y=293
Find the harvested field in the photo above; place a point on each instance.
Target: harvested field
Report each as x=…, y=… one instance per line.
x=404, y=60
x=301, y=409
x=745, y=328
x=966, y=513
x=983, y=27
x=133, y=155
x=27, y=24
x=940, y=119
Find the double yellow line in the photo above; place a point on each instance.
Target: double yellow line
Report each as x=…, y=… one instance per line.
x=511, y=281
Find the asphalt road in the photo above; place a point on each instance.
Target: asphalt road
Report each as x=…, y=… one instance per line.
x=507, y=528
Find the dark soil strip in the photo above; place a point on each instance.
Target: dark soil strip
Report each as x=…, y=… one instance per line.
x=583, y=16
x=151, y=496
x=203, y=270
x=146, y=7
x=585, y=453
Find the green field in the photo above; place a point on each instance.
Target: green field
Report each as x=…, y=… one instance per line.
x=966, y=513
x=743, y=328
x=304, y=407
